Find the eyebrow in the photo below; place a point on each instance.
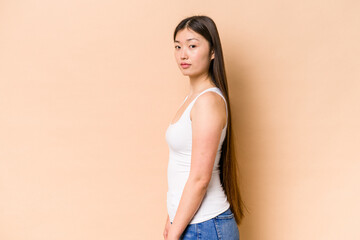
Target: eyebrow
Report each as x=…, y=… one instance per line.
x=188, y=40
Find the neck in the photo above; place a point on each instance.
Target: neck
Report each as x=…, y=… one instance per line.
x=200, y=83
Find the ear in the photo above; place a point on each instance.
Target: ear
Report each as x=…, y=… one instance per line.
x=212, y=54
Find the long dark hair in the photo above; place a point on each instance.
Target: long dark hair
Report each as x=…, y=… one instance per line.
x=206, y=27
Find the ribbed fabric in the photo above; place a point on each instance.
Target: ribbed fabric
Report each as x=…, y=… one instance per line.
x=179, y=140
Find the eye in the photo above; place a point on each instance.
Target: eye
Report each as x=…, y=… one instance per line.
x=177, y=47
x=192, y=46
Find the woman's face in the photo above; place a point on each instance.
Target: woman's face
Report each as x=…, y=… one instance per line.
x=192, y=53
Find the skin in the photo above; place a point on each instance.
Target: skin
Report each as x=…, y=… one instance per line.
x=205, y=134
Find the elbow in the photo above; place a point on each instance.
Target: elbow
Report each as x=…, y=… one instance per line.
x=201, y=182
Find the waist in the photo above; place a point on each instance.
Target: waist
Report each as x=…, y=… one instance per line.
x=214, y=202
x=181, y=162
x=177, y=181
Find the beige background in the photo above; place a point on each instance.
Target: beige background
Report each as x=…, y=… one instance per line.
x=88, y=88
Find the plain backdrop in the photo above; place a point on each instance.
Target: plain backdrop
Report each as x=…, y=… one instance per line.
x=88, y=88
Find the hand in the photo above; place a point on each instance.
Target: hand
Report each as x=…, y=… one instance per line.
x=167, y=227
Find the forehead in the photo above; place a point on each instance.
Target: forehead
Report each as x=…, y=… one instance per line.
x=186, y=34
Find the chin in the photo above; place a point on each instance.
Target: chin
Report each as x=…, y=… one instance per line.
x=185, y=73
x=189, y=72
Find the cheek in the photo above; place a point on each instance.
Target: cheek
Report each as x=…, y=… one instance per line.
x=203, y=59
x=197, y=57
x=176, y=56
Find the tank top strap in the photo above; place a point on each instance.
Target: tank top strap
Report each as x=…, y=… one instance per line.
x=213, y=89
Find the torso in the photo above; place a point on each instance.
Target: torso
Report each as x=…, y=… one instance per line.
x=179, y=139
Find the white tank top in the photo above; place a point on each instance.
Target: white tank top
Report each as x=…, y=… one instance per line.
x=179, y=140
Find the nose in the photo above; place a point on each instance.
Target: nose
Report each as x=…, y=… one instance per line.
x=183, y=54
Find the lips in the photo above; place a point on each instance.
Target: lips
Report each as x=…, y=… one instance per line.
x=185, y=65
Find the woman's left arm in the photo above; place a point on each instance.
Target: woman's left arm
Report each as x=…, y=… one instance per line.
x=207, y=124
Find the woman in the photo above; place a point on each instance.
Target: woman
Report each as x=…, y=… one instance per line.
x=203, y=198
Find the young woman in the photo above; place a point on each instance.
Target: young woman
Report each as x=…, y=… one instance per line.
x=203, y=198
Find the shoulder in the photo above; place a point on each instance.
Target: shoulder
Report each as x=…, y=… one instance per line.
x=209, y=104
x=210, y=99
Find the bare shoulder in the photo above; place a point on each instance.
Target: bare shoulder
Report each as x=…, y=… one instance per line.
x=211, y=99
x=209, y=104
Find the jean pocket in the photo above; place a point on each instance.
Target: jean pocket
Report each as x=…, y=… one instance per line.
x=225, y=215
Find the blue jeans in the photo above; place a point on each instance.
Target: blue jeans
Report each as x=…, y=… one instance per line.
x=221, y=227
